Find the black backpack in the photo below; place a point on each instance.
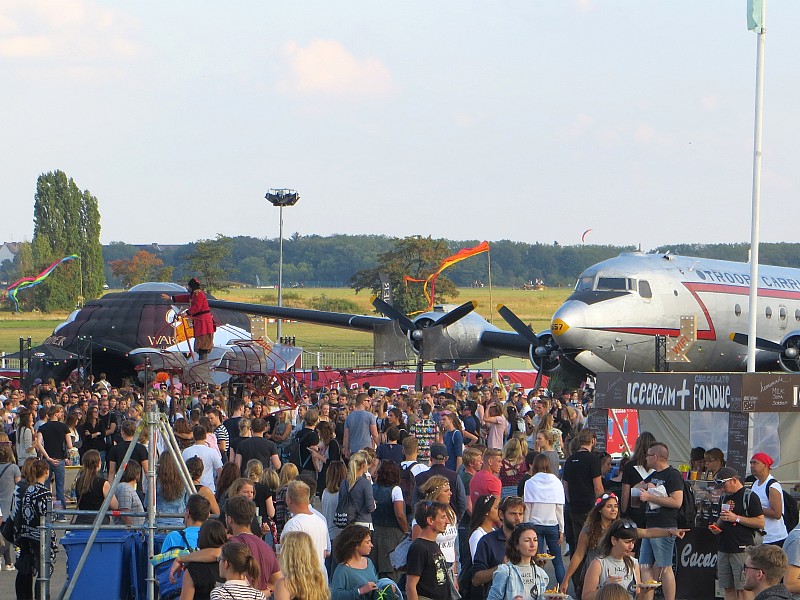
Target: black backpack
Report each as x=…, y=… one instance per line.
x=407, y=485
x=791, y=514
x=688, y=510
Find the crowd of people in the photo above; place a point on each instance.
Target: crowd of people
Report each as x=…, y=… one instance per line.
x=466, y=492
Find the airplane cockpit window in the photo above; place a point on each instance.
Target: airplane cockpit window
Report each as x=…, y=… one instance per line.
x=584, y=284
x=644, y=289
x=615, y=284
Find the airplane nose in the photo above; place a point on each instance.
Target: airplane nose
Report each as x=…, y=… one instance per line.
x=567, y=321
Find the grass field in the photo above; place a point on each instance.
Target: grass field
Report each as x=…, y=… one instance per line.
x=535, y=307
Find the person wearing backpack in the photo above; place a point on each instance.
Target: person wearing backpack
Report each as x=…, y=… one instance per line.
x=770, y=493
x=741, y=517
x=409, y=469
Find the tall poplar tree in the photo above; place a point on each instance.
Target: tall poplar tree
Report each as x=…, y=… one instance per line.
x=66, y=221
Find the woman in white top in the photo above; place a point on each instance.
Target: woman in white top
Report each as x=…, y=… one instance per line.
x=437, y=489
x=615, y=563
x=484, y=519
x=544, y=507
x=26, y=438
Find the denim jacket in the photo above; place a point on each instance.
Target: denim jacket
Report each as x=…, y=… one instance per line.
x=507, y=583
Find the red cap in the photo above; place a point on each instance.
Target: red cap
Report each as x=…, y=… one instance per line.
x=763, y=457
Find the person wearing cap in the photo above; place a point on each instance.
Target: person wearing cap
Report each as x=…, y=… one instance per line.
x=741, y=516
x=458, y=499
x=770, y=493
x=202, y=319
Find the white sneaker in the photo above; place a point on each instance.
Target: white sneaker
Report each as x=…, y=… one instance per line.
x=9, y=568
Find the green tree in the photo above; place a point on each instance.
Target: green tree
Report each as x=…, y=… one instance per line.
x=416, y=257
x=208, y=261
x=66, y=221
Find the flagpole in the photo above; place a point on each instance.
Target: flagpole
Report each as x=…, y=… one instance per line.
x=756, y=201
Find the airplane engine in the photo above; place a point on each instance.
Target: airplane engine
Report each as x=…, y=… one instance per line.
x=546, y=356
x=790, y=357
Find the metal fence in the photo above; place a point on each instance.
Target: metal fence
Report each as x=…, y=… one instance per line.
x=8, y=363
x=337, y=360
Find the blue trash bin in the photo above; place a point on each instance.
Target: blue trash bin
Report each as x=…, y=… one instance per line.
x=111, y=569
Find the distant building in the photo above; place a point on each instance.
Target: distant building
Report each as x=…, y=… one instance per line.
x=8, y=251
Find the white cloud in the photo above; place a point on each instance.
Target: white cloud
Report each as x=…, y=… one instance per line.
x=579, y=126
x=710, y=102
x=327, y=67
x=68, y=32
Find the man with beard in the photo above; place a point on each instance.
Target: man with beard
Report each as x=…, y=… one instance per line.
x=491, y=548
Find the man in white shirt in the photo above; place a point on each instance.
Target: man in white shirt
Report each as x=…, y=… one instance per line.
x=212, y=463
x=297, y=501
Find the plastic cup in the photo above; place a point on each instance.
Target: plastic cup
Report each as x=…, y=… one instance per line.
x=693, y=476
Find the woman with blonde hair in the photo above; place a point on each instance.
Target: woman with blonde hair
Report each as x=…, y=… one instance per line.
x=265, y=507
x=288, y=473
x=359, y=489
x=546, y=423
x=303, y=578
x=513, y=468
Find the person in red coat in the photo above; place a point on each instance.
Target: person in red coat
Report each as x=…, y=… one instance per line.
x=202, y=319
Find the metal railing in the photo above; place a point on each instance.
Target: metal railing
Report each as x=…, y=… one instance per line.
x=8, y=363
x=337, y=360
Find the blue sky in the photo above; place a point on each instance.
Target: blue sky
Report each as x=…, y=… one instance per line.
x=524, y=120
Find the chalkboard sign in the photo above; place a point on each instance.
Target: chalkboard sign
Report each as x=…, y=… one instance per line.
x=597, y=421
x=737, y=442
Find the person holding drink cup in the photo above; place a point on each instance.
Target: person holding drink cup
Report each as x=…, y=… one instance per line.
x=741, y=516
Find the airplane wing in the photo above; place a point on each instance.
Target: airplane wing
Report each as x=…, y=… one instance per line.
x=317, y=317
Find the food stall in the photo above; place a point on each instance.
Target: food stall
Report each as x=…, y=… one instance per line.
x=731, y=400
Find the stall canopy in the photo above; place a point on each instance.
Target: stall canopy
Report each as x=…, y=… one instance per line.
x=741, y=413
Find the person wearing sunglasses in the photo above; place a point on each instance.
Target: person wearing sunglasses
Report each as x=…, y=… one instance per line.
x=741, y=516
x=615, y=563
x=762, y=576
x=519, y=576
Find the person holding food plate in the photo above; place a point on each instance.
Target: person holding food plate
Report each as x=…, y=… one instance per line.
x=519, y=577
x=615, y=563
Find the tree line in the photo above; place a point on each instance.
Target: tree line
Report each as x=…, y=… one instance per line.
x=67, y=221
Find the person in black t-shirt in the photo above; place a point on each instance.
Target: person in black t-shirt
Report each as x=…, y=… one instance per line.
x=662, y=491
x=117, y=453
x=54, y=437
x=257, y=447
x=740, y=518
x=306, y=437
x=582, y=482
x=426, y=568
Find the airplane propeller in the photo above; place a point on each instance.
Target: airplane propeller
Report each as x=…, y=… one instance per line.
x=416, y=330
x=788, y=350
x=543, y=354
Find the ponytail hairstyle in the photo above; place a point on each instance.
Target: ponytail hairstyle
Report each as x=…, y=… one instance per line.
x=357, y=462
x=241, y=561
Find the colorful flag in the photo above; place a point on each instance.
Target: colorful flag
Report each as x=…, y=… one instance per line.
x=447, y=262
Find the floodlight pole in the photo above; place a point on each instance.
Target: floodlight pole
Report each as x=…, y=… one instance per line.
x=280, y=268
x=280, y=198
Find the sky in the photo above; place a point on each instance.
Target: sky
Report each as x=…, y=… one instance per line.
x=527, y=120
